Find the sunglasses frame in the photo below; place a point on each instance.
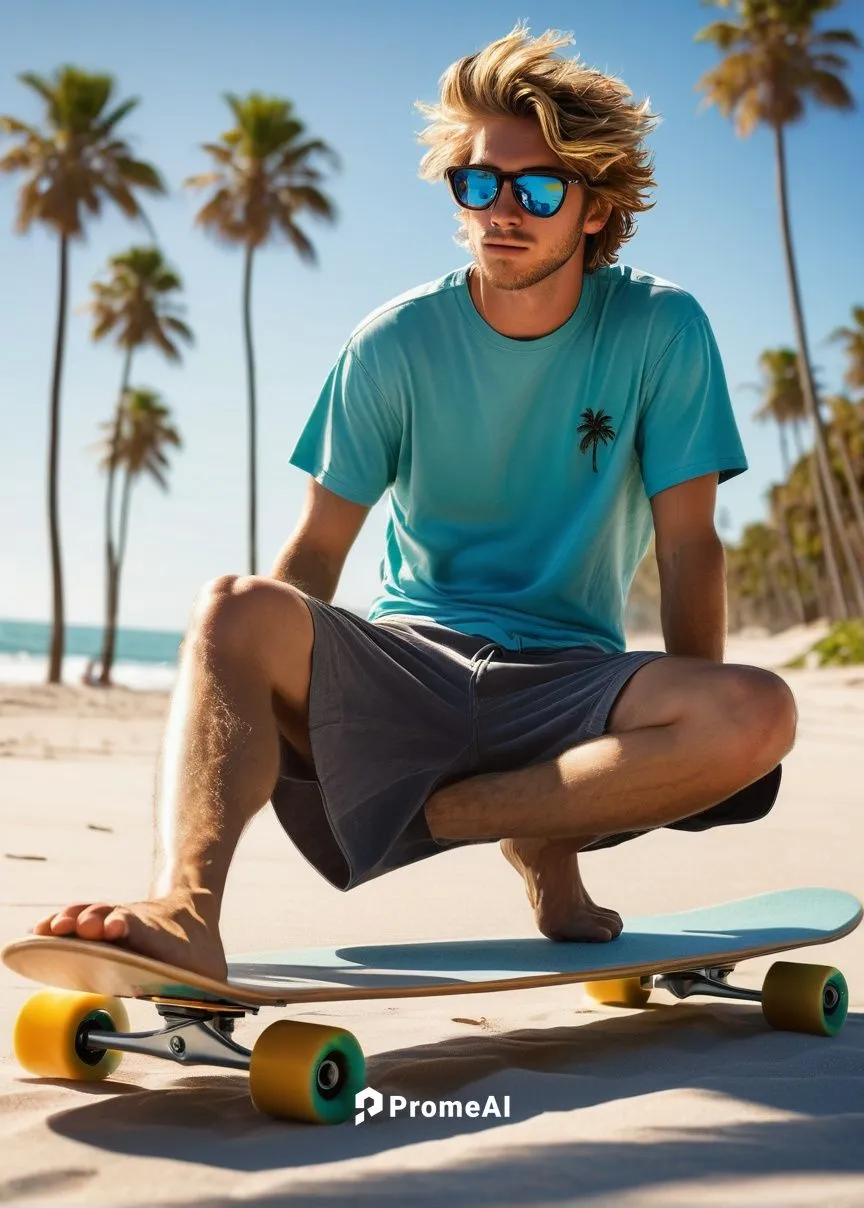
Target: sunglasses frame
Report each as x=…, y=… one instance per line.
x=501, y=177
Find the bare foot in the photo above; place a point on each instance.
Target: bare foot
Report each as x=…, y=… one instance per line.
x=562, y=908
x=180, y=929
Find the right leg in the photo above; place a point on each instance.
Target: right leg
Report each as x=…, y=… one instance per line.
x=244, y=675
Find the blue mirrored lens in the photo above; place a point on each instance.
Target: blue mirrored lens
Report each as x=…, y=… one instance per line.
x=540, y=195
x=475, y=188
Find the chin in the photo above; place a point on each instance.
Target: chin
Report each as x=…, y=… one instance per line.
x=516, y=278
x=505, y=269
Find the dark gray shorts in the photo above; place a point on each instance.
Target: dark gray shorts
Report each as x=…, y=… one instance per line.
x=399, y=707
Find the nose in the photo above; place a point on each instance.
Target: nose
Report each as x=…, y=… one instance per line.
x=506, y=211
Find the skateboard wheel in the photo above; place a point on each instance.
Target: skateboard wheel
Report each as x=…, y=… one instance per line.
x=306, y=1071
x=805, y=998
x=620, y=991
x=49, y=1037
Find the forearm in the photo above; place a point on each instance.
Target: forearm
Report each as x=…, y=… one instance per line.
x=693, y=605
x=304, y=567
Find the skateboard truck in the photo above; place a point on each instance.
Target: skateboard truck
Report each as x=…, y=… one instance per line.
x=201, y=1035
x=190, y=1036
x=711, y=981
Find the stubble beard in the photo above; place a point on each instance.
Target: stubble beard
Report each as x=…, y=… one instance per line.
x=507, y=275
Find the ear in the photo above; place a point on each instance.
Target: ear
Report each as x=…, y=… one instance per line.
x=599, y=210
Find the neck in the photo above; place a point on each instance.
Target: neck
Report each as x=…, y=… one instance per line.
x=532, y=312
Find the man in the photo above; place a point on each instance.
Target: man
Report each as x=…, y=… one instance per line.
x=532, y=416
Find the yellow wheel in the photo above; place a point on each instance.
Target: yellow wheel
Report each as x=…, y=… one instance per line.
x=621, y=991
x=49, y=1034
x=805, y=998
x=306, y=1071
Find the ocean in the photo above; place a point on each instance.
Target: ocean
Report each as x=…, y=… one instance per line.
x=145, y=658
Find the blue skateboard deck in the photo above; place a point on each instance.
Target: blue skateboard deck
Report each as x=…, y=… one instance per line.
x=649, y=944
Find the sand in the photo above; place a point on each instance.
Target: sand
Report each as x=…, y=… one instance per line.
x=692, y=1103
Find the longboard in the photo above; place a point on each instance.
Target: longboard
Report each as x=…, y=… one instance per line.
x=309, y=1071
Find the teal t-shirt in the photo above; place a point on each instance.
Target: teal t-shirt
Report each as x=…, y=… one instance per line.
x=519, y=471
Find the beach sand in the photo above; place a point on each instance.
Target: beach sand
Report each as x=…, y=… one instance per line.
x=692, y=1103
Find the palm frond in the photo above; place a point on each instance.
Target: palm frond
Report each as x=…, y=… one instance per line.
x=77, y=160
x=39, y=84
x=108, y=123
x=830, y=91
x=775, y=60
x=137, y=173
x=203, y=180
x=723, y=34
x=837, y=37
x=302, y=246
x=265, y=177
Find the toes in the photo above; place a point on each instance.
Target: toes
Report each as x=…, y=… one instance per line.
x=43, y=927
x=90, y=924
x=585, y=929
x=83, y=920
x=613, y=920
x=115, y=926
x=599, y=933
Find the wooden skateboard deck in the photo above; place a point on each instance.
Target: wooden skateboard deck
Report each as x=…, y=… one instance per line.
x=304, y=1071
x=712, y=935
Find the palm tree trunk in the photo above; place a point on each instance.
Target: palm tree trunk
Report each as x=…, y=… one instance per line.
x=796, y=432
x=779, y=607
x=784, y=448
x=797, y=592
x=250, y=378
x=785, y=534
x=808, y=390
x=109, y=637
x=55, y=659
x=124, y=520
x=849, y=474
x=854, y=565
x=122, y=533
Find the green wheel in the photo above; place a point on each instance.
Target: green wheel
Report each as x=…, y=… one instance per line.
x=805, y=998
x=306, y=1071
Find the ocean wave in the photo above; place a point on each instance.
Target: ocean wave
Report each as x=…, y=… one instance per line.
x=33, y=669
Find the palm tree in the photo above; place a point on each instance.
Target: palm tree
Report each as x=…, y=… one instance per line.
x=777, y=61
x=853, y=338
x=597, y=429
x=71, y=165
x=782, y=397
x=753, y=572
x=135, y=305
x=783, y=402
x=263, y=179
x=145, y=431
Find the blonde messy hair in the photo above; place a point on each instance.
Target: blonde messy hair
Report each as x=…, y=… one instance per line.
x=586, y=117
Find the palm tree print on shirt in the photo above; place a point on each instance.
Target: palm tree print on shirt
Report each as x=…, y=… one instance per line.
x=597, y=428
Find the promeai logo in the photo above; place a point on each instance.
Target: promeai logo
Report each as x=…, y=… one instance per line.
x=370, y=1102
x=367, y=1100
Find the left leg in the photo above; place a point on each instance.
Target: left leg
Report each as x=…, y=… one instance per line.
x=684, y=735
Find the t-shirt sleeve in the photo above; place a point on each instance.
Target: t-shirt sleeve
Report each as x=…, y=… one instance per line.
x=351, y=440
x=687, y=427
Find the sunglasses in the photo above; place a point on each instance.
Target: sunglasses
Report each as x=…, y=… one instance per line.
x=540, y=194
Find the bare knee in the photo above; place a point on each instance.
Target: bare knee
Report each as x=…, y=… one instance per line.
x=759, y=712
x=245, y=613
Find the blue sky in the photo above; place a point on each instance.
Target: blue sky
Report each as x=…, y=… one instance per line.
x=354, y=71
